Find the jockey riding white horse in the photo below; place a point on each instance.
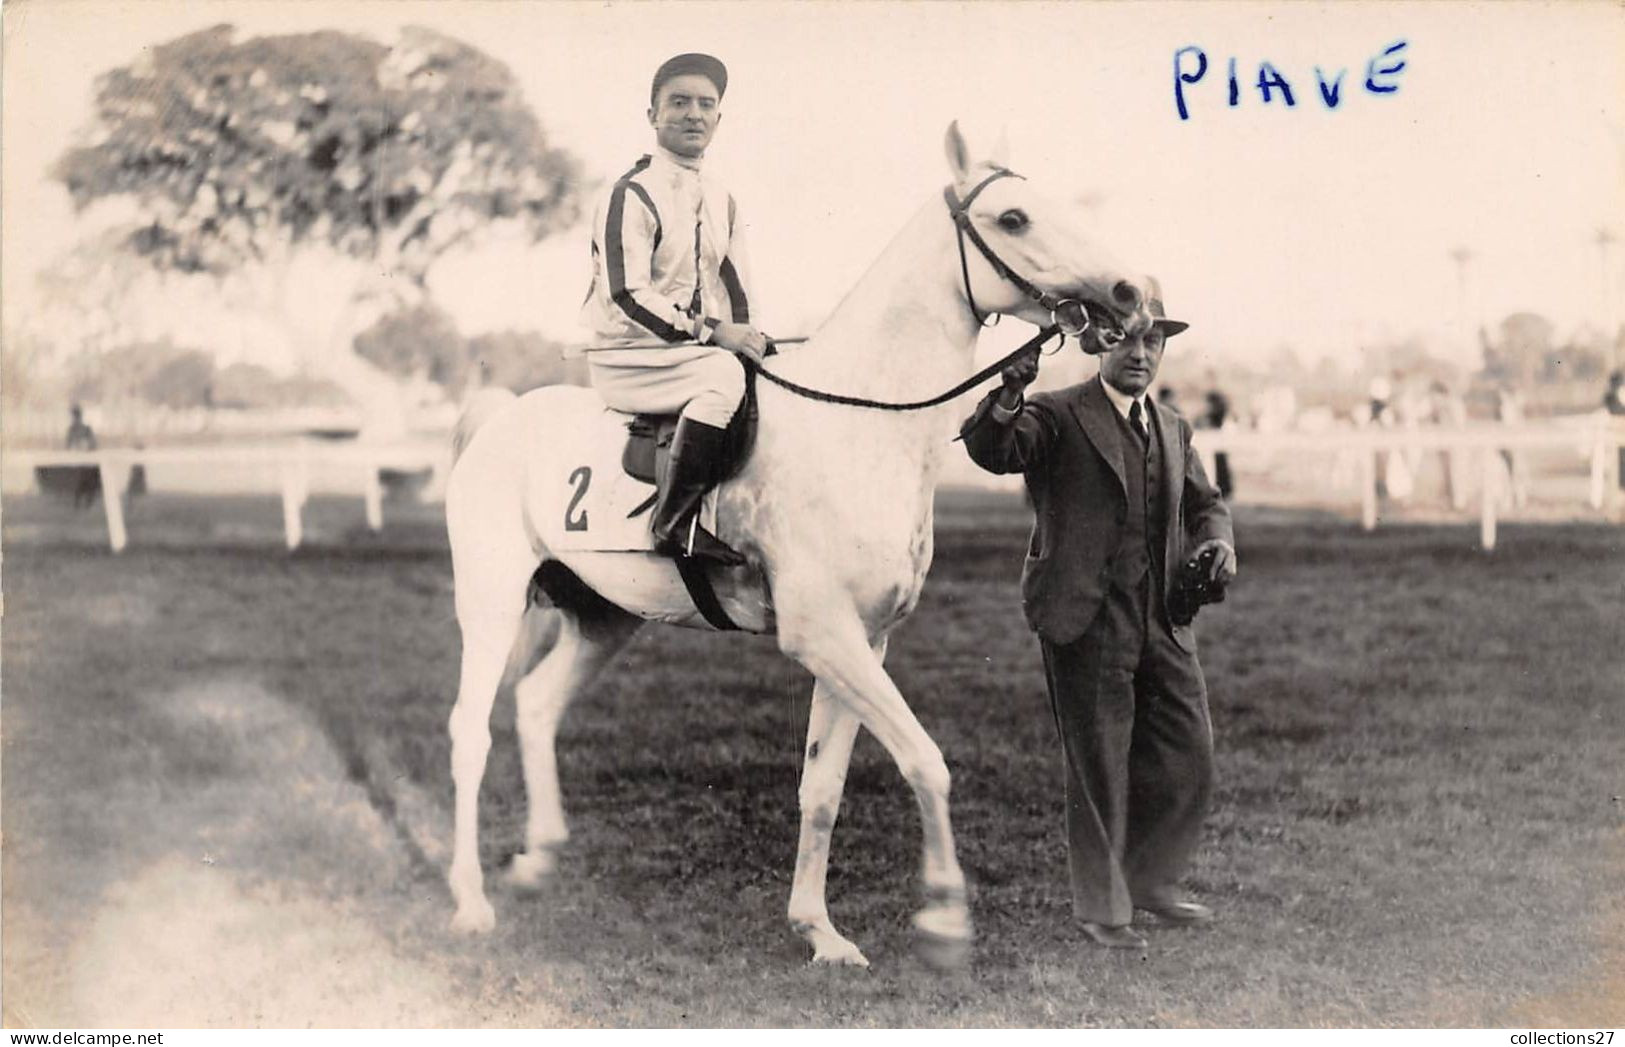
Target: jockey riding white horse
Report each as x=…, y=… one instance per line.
x=833, y=511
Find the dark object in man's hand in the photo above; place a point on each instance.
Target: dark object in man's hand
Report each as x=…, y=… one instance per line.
x=1194, y=587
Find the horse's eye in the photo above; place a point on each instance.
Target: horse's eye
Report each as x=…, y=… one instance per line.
x=1013, y=220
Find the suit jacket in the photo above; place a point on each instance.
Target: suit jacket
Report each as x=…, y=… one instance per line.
x=1068, y=445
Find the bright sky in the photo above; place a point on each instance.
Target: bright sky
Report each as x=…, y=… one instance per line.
x=1267, y=225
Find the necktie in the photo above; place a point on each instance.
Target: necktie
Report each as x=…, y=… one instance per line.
x=1137, y=421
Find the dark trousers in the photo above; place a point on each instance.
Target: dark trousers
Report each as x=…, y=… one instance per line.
x=1131, y=708
x=1222, y=478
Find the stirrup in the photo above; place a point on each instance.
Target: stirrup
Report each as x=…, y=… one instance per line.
x=699, y=544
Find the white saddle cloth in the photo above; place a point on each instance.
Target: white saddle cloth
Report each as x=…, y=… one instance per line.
x=599, y=497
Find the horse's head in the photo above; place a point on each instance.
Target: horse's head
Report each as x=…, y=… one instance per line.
x=1025, y=254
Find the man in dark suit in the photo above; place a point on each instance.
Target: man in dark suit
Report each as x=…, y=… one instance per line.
x=1120, y=502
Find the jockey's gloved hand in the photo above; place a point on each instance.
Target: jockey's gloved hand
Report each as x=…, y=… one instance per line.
x=743, y=339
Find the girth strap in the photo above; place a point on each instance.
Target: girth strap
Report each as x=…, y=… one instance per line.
x=698, y=582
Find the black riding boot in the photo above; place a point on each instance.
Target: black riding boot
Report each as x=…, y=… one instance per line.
x=696, y=450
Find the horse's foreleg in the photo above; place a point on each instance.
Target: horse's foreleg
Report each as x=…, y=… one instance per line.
x=833, y=647
x=583, y=648
x=831, y=730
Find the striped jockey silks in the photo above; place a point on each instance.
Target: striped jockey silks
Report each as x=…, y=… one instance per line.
x=661, y=232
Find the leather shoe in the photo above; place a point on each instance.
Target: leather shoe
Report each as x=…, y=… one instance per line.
x=1180, y=914
x=1114, y=937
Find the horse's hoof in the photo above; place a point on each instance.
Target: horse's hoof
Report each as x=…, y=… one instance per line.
x=940, y=953
x=839, y=954
x=474, y=918
x=528, y=870
x=830, y=948
x=943, y=937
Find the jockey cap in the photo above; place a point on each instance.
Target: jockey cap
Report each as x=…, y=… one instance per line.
x=702, y=64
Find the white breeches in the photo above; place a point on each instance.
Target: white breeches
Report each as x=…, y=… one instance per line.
x=704, y=383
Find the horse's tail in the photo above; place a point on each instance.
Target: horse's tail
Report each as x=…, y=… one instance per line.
x=480, y=408
x=539, y=628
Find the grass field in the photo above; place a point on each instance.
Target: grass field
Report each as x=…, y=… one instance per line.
x=226, y=797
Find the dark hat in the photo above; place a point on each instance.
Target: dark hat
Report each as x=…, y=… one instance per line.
x=693, y=62
x=1166, y=326
x=1159, y=319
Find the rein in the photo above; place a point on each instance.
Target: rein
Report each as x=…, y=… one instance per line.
x=1031, y=344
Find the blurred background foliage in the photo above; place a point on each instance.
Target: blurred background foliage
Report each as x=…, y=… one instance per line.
x=235, y=151
x=420, y=343
x=308, y=184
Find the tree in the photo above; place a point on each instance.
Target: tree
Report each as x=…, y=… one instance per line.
x=156, y=372
x=244, y=385
x=421, y=340
x=87, y=291
x=1409, y=357
x=1583, y=357
x=1520, y=353
x=522, y=361
x=249, y=386
x=184, y=380
x=321, y=174
x=23, y=359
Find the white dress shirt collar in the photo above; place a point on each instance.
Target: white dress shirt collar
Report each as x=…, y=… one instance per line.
x=1124, y=402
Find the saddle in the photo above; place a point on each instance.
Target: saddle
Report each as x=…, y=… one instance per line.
x=645, y=457
x=648, y=442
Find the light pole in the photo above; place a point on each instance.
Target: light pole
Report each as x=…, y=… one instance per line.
x=1605, y=240
x=1462, y=256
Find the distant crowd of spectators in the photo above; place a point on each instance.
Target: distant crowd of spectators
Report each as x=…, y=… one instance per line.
x=1215, y=413
x=1392, y=402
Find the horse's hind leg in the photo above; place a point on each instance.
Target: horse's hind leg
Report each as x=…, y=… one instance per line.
x=586, y=643
x=831, y=730
x=490, y=587
x=486, y=640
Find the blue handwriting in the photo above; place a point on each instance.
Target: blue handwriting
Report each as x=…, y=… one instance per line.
x=1381, y=78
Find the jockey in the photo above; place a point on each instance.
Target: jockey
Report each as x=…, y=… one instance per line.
x=668, y=266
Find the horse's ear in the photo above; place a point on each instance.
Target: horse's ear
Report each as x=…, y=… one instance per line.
x=958, y=152
x=1000, y=157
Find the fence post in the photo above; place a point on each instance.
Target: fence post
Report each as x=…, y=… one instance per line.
x=1606, y=475
x=1456, y=465
x=373, y=492
x=295, y=489
x=1612, y=477
x=1368, y=489
x=1488, y=477
x=1599, y=467
x=114, y=477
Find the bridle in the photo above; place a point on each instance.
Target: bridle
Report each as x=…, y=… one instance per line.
x=1070, y=316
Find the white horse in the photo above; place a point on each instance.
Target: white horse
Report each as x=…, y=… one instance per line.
x=833, y=511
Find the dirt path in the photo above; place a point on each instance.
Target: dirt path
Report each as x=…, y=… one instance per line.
x=247, y=898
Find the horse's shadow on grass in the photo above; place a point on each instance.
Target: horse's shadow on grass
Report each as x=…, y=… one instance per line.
x=366, y=766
